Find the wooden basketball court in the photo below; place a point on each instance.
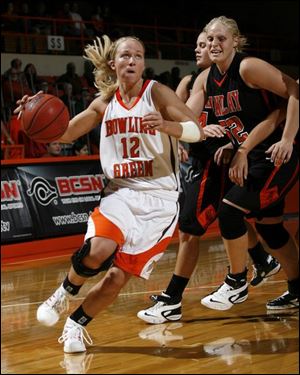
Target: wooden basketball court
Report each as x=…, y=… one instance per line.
x=246, y=339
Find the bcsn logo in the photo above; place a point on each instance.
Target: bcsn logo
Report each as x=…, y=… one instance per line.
x=43, y=192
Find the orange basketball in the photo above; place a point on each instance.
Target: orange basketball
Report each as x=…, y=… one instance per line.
x=45, y=118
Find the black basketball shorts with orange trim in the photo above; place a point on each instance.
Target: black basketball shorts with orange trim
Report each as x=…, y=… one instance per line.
x=204, y=184
x=265, y=186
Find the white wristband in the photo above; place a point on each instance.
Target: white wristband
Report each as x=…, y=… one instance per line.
x=190, y=132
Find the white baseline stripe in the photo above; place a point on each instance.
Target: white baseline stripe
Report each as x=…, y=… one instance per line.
x=138, y=293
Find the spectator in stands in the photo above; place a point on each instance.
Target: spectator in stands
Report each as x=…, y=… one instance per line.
x=14, y=83
x=98, y=21
x=6, y=139
x=32, y=78
x=8, y=20
x=44, y=86
x=88, y=73
x=41, y=26
x=80, y=147
x=175, y=77
x=94, y=136
x=53, y=149
x=5, y=136
x=15, y=70
x=165, y=78
x=25, y=25
x=78, y=28
x=150, y=74
x=32, y=149
x=68, y=98
x=84, y=101
x=70, y=76
x=14, y=126
x=107, y=15
x=64, y=28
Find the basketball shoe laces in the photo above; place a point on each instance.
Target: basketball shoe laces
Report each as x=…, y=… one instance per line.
x=58, y=302
x=224, y=289
x=156, y=308
x=76, y=333
x=160, y=301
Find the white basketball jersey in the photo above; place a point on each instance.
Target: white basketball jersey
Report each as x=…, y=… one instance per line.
x=135, y=157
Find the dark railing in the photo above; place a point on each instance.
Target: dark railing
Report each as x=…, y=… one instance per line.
x=175, y=43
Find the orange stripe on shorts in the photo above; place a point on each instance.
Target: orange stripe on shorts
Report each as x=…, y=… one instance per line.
x=106, y=228
x=134, y=264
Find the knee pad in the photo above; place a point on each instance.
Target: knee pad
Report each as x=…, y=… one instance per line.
x=83, y=270
x=275, y=235
x=231, y=222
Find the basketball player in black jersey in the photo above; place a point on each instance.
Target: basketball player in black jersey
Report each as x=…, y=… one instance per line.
x=204, y=182
x=195, y=215
x=242, y=91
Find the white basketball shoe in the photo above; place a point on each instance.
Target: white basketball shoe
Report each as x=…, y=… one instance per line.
x=48, y=313
x=228, y=294
x=73, y=337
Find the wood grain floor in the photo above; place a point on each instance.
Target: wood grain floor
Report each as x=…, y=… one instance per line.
x=244, y=340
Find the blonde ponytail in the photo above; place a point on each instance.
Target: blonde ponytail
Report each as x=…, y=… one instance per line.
x=100, y=55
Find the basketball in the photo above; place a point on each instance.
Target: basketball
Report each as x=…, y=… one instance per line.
x=45, y=118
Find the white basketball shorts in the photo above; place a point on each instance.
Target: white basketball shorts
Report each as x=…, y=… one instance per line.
x=140, y=223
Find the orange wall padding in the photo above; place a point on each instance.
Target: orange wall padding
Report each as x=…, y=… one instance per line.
x=40, y=248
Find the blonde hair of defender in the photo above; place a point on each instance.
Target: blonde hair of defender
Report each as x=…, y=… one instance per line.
x=100, y=54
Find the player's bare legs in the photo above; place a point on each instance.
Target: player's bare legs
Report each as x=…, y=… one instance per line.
x=91, y=255
x=188, y=254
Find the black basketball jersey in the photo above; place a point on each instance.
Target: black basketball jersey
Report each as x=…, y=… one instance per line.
x=240, y=108
x=205, y=150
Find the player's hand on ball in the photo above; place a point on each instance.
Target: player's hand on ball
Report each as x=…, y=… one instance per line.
x=21, y=103
x=44, y=118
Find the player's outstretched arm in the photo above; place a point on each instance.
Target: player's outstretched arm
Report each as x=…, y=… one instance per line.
x=84, y=121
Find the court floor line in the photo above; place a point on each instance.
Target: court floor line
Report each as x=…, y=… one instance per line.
x=143, y=292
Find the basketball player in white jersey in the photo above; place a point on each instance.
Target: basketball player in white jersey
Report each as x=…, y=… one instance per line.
x=138, y=211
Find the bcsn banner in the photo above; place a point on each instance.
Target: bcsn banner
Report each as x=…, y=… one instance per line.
x=41, y=201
